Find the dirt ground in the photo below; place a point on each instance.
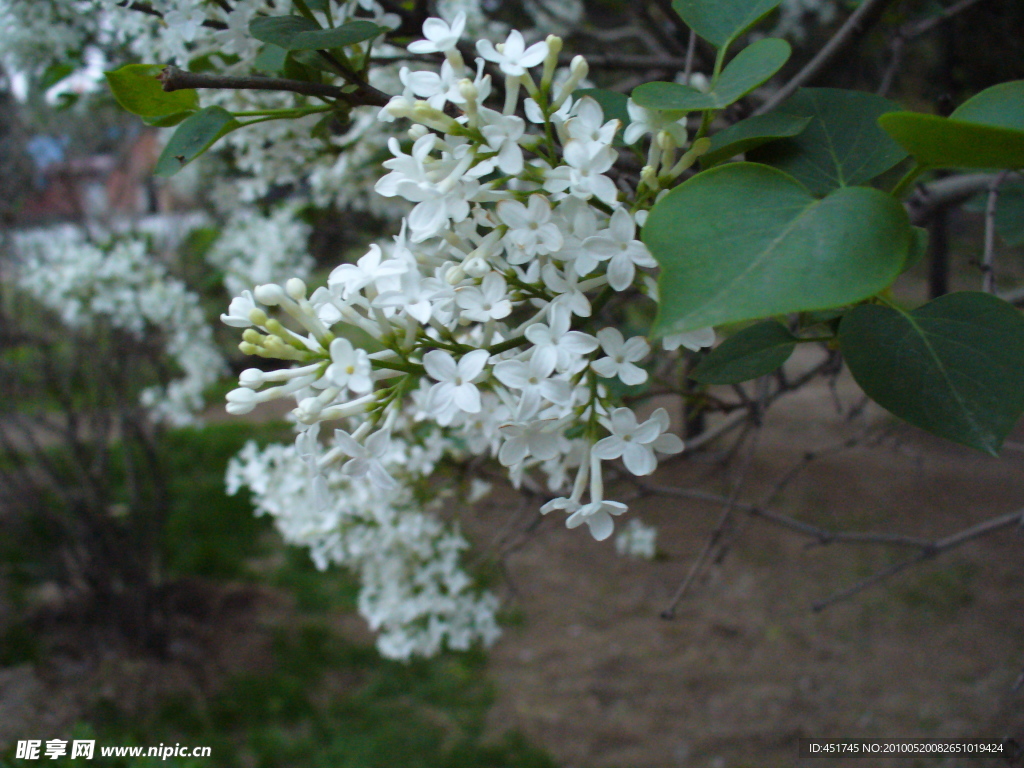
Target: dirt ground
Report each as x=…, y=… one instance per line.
x=746, y=667
x=592, y=674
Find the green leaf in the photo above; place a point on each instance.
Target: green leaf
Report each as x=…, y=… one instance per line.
x=750, y=133
x=986, y=131
x=722, y=21
x=166, y=121
x=270, y=58
x=193, y=137
x=137, y=89
x=842, y=145
x=745, y=241
x=752, y=352
x=55, y=73
x=297, y=33
x=952, y=367
x=752, y=66
x=918, y=247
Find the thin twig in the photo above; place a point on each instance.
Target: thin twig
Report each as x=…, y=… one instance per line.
x=988, y=274
x=175, y=79
x=859, y=22
x=935, y=548
x=691, y=48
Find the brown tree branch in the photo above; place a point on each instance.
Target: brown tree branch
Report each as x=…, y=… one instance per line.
x=175, y=79
x=988, y=274
x=857, y=25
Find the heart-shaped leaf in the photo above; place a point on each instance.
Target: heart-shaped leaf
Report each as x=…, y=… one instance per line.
x=952, y=367
x=750, y=133
x=841, y=146
x=193, y=137
x=297, y=33
x=752, y=66
x=722, y=21
x=986, y=131
x=745, y=241
x=137, y=89
x=752, y=352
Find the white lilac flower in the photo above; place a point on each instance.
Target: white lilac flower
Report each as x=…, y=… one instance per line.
x=530, y=229
x=618, y=246
x=440, y=37
x=588, y=125
x=637, y=540
x=528, y=438
x=635, y=443
x=489, y=301
x=598, y=517
x=349, y=368
x=621, y=357
x=643, y=121
x=348, y=279
x=692, y=340
x=556, y=346
x=239, y=310
x=582, y=174
x=367, y=457
x=455, y=390
x=513, y=57
x=533, y=381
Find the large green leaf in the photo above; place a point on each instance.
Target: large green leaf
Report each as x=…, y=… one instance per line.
x=745, y=241
x=722, y=21
x=952, y=367
x=193, y=137
x=750, y=133
x=752, y=352
x=986, y=131
x=297, y=33
x=137, y=89
x=842, y=145
x=752, y=66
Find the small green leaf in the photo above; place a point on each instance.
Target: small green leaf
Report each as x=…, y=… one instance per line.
x=745, y=241
x=750, y=133
x=750, y=68
x=952, y=367
x=55, y=73
x=167, y=121
x=193, y=137
x=270, y=58
x=1001, y=106
x=297, y=33
x=842, y=145
x=918, y=247
x=722, y=21
x=280, y=30
x=753, y=352
x=137, y=89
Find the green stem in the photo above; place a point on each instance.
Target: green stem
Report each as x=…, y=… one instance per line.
x=505, y=346
x=908, y=180
x=393, y=365
x=301, y=7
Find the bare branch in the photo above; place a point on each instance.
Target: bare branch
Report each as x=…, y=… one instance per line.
x=926, y=553
x=175, y=79
x=859, y=22
x=988, y=276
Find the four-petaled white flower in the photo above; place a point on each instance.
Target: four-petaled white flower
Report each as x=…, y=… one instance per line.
x=239, y=310
x=582, y=175
x=530, y=229
x=636, y=443
x=527, y=438
x=367, y=457
x=440, y=37
x=532, y=380
x=692, y=340
x=558, y=347
x=598, y=517
x=617, y=245
x=348, y=279
x=513, y=57
x=489, y=301
x=621, y=356
x=643, y=121
x=350, y=367
x=455, y=390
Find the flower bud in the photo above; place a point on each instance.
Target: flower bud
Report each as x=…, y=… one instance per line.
x=252, y=378
x=270, y=294
x=258, y=317
x=308, y=410
x=246, y=348
x=252, y=336
x=418, y=131
x=296, y=288
x=241, y=401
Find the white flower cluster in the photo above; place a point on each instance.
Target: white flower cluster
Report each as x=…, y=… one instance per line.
x=121, y=284
x=637, y=540
x=255, y=248
x=485, y=311
x=413, y=591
